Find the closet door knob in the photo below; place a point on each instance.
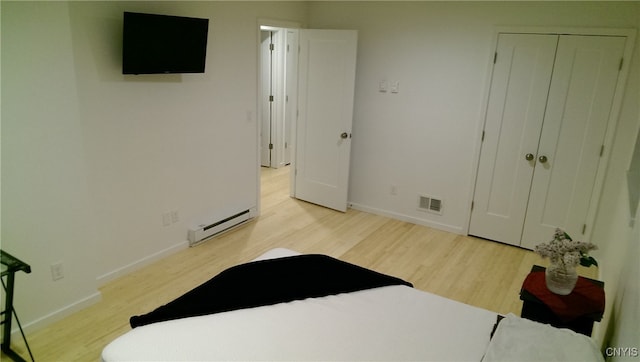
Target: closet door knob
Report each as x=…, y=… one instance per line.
x=528, y=157
x=542, y=159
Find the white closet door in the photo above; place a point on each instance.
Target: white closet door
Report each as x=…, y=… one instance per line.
x=515, y=111
x=580, y=98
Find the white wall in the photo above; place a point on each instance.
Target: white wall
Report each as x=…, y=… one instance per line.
x=424, y=139
x=625, y=304
x=162, y=143
x=614, y=233
x=46, y=205
x=91, y=159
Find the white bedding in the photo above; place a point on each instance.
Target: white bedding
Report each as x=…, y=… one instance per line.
x=519, y=339
x=387, y=323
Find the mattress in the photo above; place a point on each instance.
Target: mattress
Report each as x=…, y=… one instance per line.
x=387, y=323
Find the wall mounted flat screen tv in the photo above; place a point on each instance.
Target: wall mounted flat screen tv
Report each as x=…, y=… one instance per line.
x=155, y=44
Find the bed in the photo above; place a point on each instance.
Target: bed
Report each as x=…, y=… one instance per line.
x=382, y=318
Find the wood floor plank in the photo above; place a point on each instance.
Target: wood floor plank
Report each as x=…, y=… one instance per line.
x=471, y=270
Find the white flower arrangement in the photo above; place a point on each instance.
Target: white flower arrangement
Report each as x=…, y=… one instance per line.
x=567, y=252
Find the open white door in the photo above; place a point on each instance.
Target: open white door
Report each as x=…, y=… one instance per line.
x=326, y=80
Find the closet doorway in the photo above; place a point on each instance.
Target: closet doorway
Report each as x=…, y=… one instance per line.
x=551, y=102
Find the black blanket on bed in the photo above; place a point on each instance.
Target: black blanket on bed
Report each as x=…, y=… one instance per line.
x=268, y=282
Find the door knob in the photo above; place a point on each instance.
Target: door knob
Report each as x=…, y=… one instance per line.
x=528, y=157
x=542, y=159
x=344, y=135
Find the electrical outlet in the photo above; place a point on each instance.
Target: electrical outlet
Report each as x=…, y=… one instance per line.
x=175, y=217
x=166, y=219
x=395, y=86
x=393, y=190
x=57, y=272
x=383, y=85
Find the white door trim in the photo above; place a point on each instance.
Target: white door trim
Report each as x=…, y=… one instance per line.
x=254, y=115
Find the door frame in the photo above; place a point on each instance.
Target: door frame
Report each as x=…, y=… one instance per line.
x=275, y=120
x=612, y=124
x=265, y=23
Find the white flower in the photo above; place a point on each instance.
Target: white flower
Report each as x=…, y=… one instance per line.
x=562, y=249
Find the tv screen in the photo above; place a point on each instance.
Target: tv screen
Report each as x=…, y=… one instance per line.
x=154, y=44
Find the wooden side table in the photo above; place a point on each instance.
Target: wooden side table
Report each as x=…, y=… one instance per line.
x=576, y=311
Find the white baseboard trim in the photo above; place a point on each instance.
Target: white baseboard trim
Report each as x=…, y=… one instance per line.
x=56, y=315
x=407, y=218
x=105, y=278
x=94, y=297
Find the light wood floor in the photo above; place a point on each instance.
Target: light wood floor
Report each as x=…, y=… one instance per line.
x=471, y=270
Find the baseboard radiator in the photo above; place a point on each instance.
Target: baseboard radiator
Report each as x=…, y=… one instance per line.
x=203, y=232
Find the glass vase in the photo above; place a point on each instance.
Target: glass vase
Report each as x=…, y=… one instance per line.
x=560, y=278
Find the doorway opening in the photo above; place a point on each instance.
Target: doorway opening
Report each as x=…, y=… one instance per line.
x=277, y=95
x=305, y=109
x=277, y=104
